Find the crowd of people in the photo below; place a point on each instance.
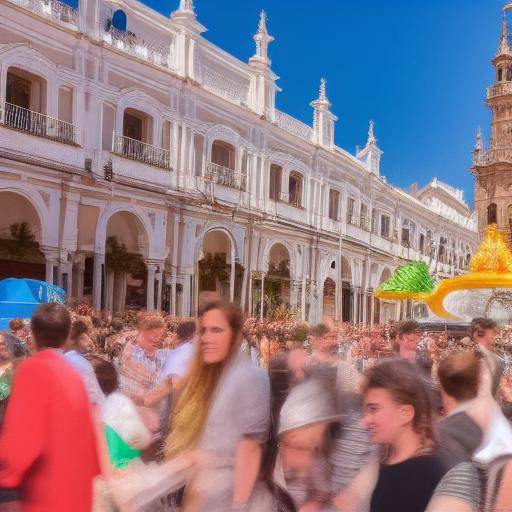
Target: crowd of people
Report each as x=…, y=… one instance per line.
x=210, y=418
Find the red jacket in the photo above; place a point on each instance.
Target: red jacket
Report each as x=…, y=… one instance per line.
x=48, y=444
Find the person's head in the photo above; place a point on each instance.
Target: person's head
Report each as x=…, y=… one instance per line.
x=116, y=326
x=50, y=325
x=459, y=376
x=185, y=331
x=106, y=374
x=78, y=327
x=220, y=337
x=220, y=331
x=483, y=331
x=396, y=402
x=151, y=332
x=16, y=324
x=5, y=354
x=304, y=420
x=320, y=337
x=408, y=335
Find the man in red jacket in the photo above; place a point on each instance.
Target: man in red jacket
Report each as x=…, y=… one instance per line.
x=48, y=446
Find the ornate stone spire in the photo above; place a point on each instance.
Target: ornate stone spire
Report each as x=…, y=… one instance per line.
x=187, y=5
x=371, y=135
x=479, y=146
x=504, y=46
x=262, y=40
x=322, y=101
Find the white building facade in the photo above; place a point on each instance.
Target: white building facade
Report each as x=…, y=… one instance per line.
x=125, y=132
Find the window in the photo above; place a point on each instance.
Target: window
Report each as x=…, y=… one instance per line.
x=119, y=20
x=422, y=244
x=492, y=214
x=500, y=74
x=375, y=221
x=295, y=189
x=406, y=237
x=132, y=126
x=350, y=210
x=223, y=154
x=384, y=226
x=18, y=90
x=363, y=218
x=334, y=202
x=276, y=175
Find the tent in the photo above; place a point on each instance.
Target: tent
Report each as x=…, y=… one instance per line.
x=19, y=298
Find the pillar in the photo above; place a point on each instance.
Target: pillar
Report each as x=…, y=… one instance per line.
x=109, y=286
x=294, y=292
x=262, y=298
x=79, y=282
x=150, y=286
x=99, y=262
x=232, y=276
x=159, y=282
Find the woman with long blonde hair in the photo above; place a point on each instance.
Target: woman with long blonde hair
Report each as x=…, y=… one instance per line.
x=223, y=415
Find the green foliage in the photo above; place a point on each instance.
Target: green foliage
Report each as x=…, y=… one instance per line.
x=411, y=278
x=22, y=236
x=119, y=260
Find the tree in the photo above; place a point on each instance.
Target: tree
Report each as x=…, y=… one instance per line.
x=411, y=278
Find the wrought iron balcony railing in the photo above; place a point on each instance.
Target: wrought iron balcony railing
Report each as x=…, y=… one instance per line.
x=141, y=151
x=138, y=47
x=37, y=124
x=225, y=176
x=51, y=9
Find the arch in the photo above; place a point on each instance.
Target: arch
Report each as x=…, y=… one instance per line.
x=29, y=59
x=346, y=269
x=296, y=188
x=492, y=214
x=37, y=201
x=21, y=211
x=223, y=154
x=119, y=20
x=219, y=273
x=329, y=297
x=217, y=226
x=101, y=228
x=139, y=100
x=385, y=275
x=266, y=256
x=289, y=163
x=225, y=134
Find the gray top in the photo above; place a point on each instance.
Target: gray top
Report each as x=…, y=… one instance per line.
x=461, y=482
x=240, y=409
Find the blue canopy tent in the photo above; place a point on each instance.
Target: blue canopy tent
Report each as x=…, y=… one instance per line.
x=19, y=298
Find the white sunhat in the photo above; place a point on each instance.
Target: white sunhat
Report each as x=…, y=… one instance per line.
x=308, y=403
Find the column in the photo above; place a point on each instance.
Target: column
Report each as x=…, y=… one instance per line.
x=173, y=295
x=150, y=286
x=293, y=294
x=262, y=297
x=353, y=304
x=50, y=265
x=232, y=276
x=109, y=301
x=99, y=262
x=3, y=87
x=372, y=308
x=79, y=286
x=159, y=282
x=303, y=299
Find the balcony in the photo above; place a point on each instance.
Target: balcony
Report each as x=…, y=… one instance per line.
x=51, y=9
x=493, y=156
x=40, y=125
x=293, y=126
x=142, y=152
x=225, y=176
x=499, y=90
x=137, y=47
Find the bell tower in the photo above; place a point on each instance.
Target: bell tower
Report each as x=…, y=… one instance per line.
x=492, y=165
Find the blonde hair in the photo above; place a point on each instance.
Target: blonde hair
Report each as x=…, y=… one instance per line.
x=189, y=417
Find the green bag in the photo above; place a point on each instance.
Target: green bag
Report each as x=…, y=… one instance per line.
x=120, y=452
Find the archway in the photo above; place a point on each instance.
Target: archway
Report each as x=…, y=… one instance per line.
x=329, y=301
x=126, y=276
x=20, y=239
x=277, y=282
x=220, y=276
x=384, y=310
x=346, y=291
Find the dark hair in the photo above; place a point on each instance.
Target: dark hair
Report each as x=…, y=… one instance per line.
x=459, y=374
x=50, y=325
x=407, y=327
x=78, y=327
x=319, y=330
x=16, y=324
x=149, y=321
x=186, y=330
x=405, y=385
x=234, y=316
x=484, y=324
x=106, y=374
x=116, y=325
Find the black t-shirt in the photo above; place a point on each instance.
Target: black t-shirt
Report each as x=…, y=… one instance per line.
x=407, y=486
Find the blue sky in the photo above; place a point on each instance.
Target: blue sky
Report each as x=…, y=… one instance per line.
x=419, y=69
